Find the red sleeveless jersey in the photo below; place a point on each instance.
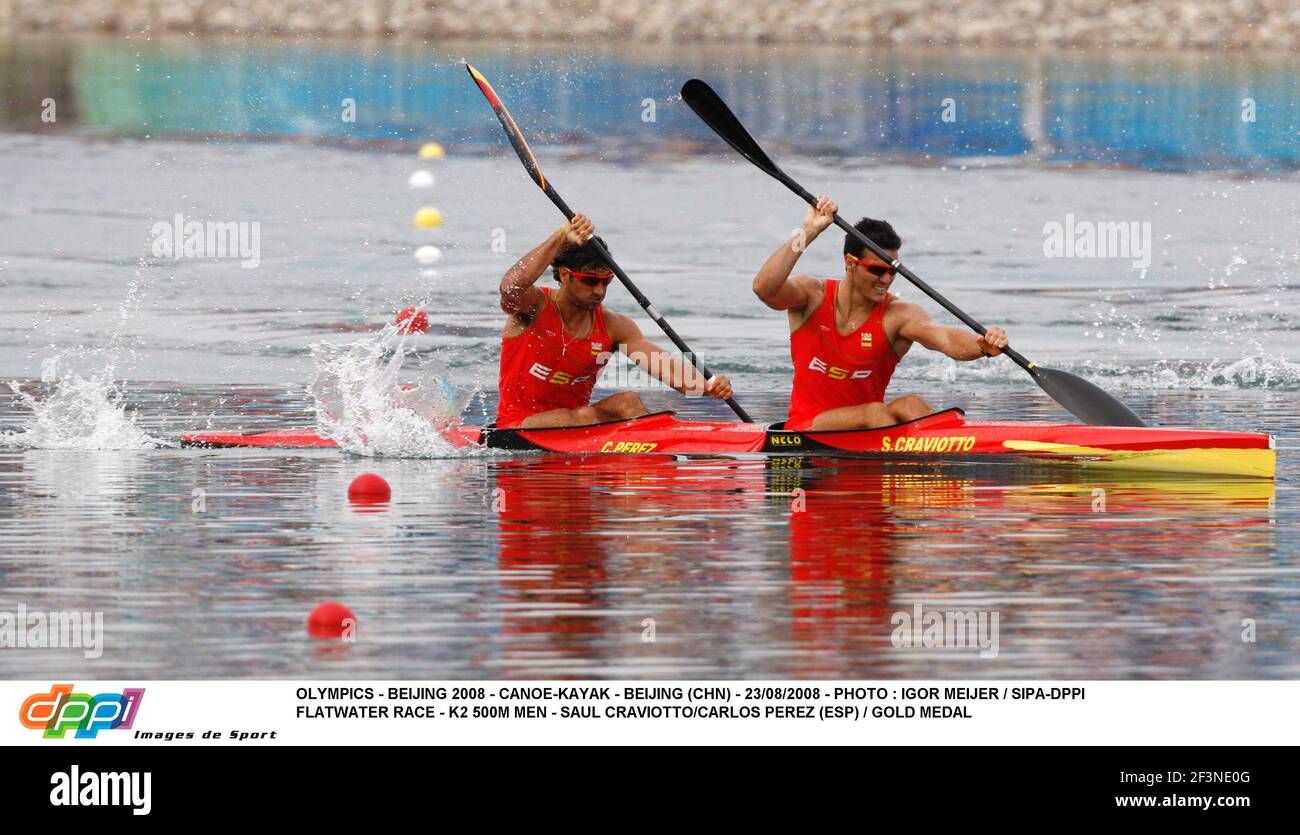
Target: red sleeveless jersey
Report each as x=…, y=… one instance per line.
x=833, y=370
x=546, y=368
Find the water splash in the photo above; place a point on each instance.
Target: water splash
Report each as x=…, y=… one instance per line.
x=1255, y=371
x=363, y=406
x=79, y=413
x=86, y=411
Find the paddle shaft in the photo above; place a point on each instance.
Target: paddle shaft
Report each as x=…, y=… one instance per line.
x=644, y=302
x=902, y=270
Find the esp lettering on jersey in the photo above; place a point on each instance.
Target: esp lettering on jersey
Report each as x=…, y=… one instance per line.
x=837, y=373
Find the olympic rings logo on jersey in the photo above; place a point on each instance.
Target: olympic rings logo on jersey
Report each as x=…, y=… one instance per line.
x=837, y=373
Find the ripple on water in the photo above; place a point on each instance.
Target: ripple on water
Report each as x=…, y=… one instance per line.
x=536, y=566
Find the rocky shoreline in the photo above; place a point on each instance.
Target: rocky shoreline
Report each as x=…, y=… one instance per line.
x=1154, y=24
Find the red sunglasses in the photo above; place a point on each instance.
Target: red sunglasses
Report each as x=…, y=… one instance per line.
x=878, y=270
x=593, y=280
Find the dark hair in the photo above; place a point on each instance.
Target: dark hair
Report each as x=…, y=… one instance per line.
x=880, y=233
x=580, y=258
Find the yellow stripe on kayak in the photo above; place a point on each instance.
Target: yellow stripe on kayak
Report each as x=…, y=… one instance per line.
x=1156, y=488
x=1255, y=463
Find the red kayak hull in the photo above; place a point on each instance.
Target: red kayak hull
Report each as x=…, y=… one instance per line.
x=945, y=435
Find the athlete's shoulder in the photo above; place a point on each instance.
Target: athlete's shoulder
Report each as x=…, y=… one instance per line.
x=813, y=289
x=619, y=326
x=905, y=311
x=808, y=283
x=899, y=315
x=525, y=318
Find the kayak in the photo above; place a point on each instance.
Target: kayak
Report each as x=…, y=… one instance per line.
x=943, y=436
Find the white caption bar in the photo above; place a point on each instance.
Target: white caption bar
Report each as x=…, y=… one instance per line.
x=566, y=712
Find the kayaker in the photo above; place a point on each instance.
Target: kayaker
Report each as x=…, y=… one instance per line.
x=847, y=335
x=556, y=342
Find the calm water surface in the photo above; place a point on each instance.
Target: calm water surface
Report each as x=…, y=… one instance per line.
x=539, y=566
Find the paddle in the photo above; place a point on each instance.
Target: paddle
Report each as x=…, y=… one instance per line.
x=535, y=171
x=1079, y=397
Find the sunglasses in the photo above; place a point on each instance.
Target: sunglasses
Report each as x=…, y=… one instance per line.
x=593, y=280
x=878, y=270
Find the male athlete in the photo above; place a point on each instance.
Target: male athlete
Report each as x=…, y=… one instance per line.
x=847, y=335
x=556, y=342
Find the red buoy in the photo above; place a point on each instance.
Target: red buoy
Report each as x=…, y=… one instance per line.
x=369, y=488
x=331, y=620
x=410, y=320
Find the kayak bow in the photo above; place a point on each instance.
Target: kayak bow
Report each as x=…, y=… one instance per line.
x=943, y=436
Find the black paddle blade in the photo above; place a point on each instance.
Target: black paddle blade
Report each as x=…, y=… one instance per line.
x=1084, y=400
x=710, y=107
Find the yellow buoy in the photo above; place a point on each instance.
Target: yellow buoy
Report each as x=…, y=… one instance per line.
x=428, y=218
x=432, y=150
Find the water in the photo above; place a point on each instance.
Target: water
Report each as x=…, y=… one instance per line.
x=487, y=566
x=1217, y=306
x=531, y=566
x=1159, y=111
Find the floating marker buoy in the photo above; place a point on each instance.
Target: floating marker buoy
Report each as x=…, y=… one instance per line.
x=428, y=218
x=330, y=620
x=432, y=150
x=369, y=488
x=428, y=254
x=410, y=320
x=421, y=179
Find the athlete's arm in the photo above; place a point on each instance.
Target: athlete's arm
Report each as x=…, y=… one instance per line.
x=953, y=342
x=670, y=369
x=773, y=284
x=518, y=295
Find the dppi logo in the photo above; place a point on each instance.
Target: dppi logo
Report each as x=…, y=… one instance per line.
x=61, y=710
